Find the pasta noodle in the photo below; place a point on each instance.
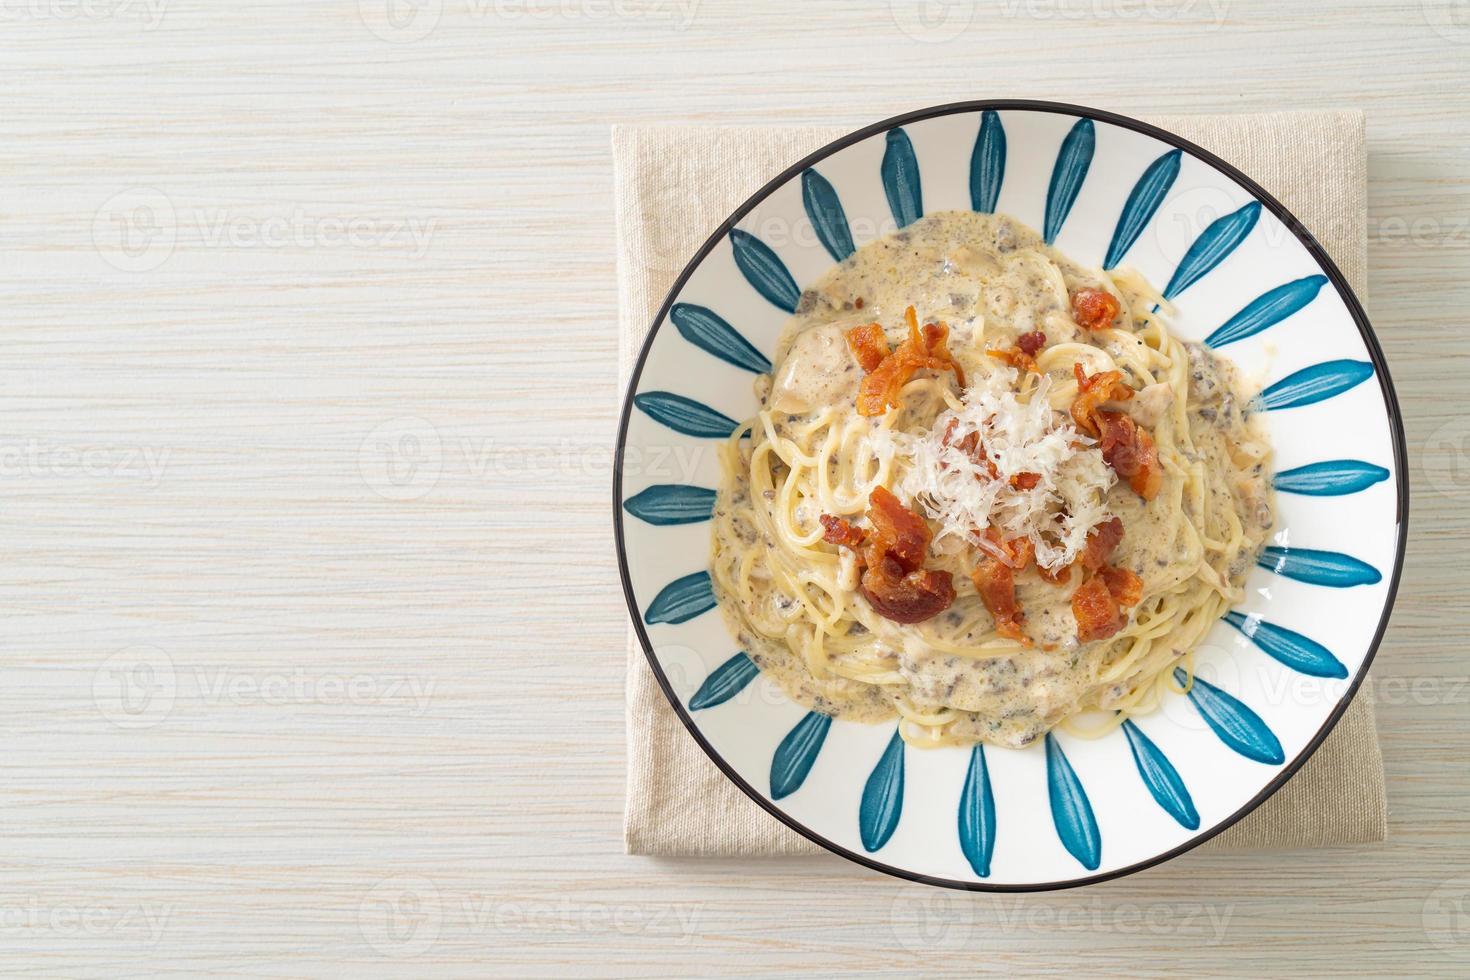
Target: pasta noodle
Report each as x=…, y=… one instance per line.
x=798, y=602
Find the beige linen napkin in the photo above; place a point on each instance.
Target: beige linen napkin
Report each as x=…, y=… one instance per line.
x=674, y=185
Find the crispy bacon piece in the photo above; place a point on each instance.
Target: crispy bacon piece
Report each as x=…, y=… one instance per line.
x=1130, y=451
x=989, y=543
x=936, y=341
x=1099, y=601
x=970, y=446
x=1031, y=343
x=1025, y=481
x=898, y=532
x=1092, y=391
x=1096, y=611
x=868, y=345
x=1125, y=587
x=1094, y=309
x=996, y=584
x=1015, y=553
x=839, y=530
x=894, y=581
x=995, y=581
x=879, y=390
x=1015, y=357
x=1127, y=448
x=1102, y=540
x=965, y=445
x=910, y=597
x=1106, y=589
x=923, y=349
x=1060, y=576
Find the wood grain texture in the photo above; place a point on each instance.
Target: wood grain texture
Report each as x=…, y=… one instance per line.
x=308, y=551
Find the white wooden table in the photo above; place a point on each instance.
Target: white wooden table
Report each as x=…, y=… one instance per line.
x=314, y=643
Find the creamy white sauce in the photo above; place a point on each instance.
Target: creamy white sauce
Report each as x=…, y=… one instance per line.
x=981, y=275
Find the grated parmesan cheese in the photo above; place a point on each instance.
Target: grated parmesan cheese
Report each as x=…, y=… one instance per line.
x=1018, y=437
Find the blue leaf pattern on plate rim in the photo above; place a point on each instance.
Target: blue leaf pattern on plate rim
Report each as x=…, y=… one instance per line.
x=1314, y=384
x=1301, y=653
x=900, y=172
x=988, y=163
x=681, y=600
x=685, y=415
x=1143, y=202
x=797, y=752
x=764, y=270
x=1330, y=568
x=824, y=210
x=1161, y=778
x=1238, y=727
x=977, y=814
x=1330, y=478
x=1071, y=812
x=707, y=330
x=882, y=802
x=1212, y=247
x=1073, y=161
x=666, y=504
x=1267, y=310
x=724, y=682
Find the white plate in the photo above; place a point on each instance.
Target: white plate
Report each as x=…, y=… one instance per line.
x=1273, y=678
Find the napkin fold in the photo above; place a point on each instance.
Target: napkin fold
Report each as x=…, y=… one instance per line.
x=675, y=184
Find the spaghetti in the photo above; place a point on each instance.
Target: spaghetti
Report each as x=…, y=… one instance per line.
x=1077, y=493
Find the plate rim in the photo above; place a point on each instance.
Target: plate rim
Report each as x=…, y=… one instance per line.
x=1298, y=230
